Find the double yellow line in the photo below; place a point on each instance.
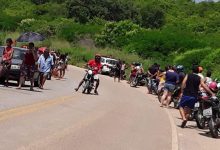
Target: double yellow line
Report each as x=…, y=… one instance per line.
x=14, y=112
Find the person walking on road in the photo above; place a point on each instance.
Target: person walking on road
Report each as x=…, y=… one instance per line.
x=123, y=67
x=190, y=88
x=118, y=70
x=45, y=64
x=28, y=66
x=6, y=58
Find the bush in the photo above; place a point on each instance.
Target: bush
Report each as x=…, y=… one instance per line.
x=73, y=31
x=41, y=26
x=212, y=62
x=191, y=57
x=148, y=43
x=117, y=33
x=8, y=23
x=79, y=56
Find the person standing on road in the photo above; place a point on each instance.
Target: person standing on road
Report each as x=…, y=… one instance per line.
x=123, y=67
x=118, y=70
x=6, y=58
x=45, y=64
x=172, y=78
x=28, y=66
x=190, y=88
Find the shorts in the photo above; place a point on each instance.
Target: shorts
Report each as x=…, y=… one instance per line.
x=169, y=87
x=117, y=73
x=27, y=71
x=187, y=101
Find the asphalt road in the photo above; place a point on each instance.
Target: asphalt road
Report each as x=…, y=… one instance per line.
x=119, y=118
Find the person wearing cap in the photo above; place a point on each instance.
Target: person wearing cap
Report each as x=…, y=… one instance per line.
x=7, y=57
x=95, y=65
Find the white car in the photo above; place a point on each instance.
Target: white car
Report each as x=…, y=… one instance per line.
x=107, y=64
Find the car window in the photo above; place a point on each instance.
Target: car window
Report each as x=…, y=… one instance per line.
x=102, y=60
x=18, y=54
x=111, y=61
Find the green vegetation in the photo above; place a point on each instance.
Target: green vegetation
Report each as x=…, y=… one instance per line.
x=164, y=31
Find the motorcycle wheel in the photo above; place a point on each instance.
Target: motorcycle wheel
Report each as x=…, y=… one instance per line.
x=133, y=82
x=175, y=103
x=85, y=87
x=191, y=116
x=88, y=91
x=213, y=129
x=200, y=120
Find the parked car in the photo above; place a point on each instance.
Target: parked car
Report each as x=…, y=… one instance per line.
x=18, y=56
x=108, y=64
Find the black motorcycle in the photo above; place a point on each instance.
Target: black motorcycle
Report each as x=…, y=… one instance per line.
x=138, y=79
x=174, y=97
x=88, y=82
x=213, y=113
x=152, y=85
x=197, y=112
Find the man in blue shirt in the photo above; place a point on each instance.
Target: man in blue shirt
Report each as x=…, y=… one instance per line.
x=45, y=64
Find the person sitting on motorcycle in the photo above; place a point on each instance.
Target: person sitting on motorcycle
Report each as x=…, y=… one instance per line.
x=180, y=71
x=96, y=66
x=134, y=70
x=172, y=78
x=190, y=88
x=208, y=78
x=200, y=73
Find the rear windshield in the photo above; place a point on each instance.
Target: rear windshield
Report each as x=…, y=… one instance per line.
x=102, y=60
x=111, y=61
x=18, y=54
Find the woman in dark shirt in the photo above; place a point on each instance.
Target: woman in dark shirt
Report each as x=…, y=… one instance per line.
x=172, y=79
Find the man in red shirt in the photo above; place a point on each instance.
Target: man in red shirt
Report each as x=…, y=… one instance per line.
x=28, y=66
x=6, y=58
x=96, y=66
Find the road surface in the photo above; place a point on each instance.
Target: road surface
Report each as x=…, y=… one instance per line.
x=119, y=118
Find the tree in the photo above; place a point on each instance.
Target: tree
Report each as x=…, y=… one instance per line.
x=152, y=16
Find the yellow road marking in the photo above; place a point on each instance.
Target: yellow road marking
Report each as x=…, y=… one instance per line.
x=6, y=114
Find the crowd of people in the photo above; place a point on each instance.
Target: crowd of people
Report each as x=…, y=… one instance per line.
x=49, y=62
x=44, y=61
x=190, y=84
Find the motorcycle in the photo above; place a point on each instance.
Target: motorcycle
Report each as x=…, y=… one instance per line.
x=213, y=114
x=138, y=79
x=153, y=86
x=89, y=82
x=174, y=97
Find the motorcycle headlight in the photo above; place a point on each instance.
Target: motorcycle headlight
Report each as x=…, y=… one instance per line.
x=90, y=72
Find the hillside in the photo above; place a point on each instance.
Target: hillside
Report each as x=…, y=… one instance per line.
x=164, y=31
